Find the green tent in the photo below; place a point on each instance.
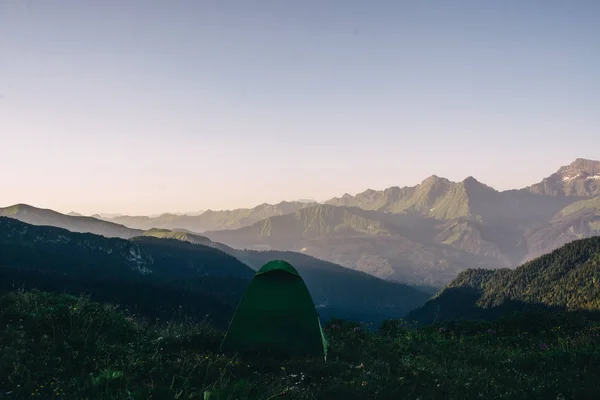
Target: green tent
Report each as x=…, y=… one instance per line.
x=276, y=314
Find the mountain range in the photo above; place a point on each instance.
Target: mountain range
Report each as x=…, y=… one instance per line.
x=428, y=233
x=209, y=219
x=422, y=235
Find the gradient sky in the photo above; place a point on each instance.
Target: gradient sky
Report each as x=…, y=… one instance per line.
x=145, y=106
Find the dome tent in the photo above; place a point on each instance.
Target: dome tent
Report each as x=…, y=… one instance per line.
x=276, y=314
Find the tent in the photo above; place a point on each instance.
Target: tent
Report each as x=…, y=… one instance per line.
x=276, y=314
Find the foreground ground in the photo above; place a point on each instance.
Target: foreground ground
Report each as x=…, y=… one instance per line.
x=64, y=347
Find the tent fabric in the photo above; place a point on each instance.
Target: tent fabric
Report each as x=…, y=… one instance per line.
x=276, y=314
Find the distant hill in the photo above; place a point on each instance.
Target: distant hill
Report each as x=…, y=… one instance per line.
x=566, y=279
x=73, y=223
x=211, y=220
x=151, y=276
x=187, y=237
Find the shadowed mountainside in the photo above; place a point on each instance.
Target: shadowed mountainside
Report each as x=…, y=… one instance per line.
x=151, y=276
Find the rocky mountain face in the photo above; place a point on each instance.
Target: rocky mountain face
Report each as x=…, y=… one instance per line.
x=578, y=179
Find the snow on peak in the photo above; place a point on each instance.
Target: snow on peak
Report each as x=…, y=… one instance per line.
x=588, y=178
x=569, y=178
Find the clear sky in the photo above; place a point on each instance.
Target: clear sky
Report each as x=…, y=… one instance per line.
x=146, y=106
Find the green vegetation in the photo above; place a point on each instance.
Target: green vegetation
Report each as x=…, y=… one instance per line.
x=589, y=205
x=65, y=347
x=566, y=279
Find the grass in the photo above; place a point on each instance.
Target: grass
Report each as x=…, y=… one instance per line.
x=65, y=347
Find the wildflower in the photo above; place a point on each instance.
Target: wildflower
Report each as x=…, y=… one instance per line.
x=442, y=330
x=364, y=383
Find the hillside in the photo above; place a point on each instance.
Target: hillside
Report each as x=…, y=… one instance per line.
x=561, y=230
x=151, y=276
x=187, y=237
x=566, y=279
x=65, y=347
x=211, y=220
x=74, y=223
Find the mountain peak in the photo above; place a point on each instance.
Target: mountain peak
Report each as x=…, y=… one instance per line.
x=434, y=179
x=470, y=183
x=580, y=178
x=580, y=166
